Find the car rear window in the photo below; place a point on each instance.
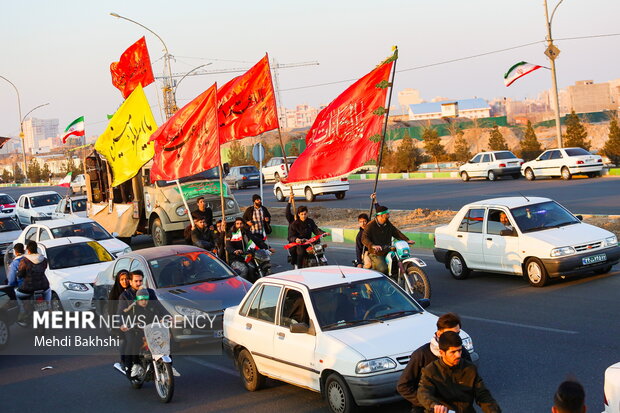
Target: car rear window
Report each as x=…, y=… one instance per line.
x=504, y=155
x=5, y=199
x=472, y=222
x=248, y=170
x=577, y=152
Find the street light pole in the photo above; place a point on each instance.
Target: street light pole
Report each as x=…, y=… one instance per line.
x=552, y=53
x=21, y=131
x=170, y=105
x=174, y=89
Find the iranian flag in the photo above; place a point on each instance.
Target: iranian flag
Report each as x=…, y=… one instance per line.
x=75, y=128
x=519, y=70
x=66, y=181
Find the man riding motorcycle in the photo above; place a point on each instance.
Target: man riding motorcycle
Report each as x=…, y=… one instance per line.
x=238, y=239
x=300, y=230
x=31, y=275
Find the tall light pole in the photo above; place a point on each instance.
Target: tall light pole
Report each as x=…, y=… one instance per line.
x=169, y=101
x=21, y=131
x=174, y=89
x=552, y=53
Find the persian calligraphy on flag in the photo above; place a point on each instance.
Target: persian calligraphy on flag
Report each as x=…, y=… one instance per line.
x=133, y=68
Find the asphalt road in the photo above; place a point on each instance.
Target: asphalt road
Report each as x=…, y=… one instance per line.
x=529, y=340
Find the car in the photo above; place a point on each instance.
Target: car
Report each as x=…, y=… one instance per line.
x=243, y=177
x=8, y=314
x=78, y=185
x=9, y=231
x=71, y=206
x=7, y=206
x=311, y=190
x=275, y=170
x=539, y=239
x=611, y=389
x=491, y=165
x=36, y=206
x=563, y=162
x=188, y=281
x=346, y=332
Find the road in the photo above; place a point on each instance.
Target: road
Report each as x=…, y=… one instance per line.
x=529, y=340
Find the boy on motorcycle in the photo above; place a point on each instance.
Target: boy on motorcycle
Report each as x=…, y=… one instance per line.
x=31, y=276
x=238, y=239
x=300, y=230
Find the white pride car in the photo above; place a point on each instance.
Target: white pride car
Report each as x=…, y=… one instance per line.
x=36, y=206
x=538, y=238
x=311, y=190
x=343, y=331
x=564, y=162
x=491, y=165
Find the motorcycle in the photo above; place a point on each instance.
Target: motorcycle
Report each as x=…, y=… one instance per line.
x=407, y=270
x=315, y=252
x=258, y=260
x=34, y=303
x=156, y=362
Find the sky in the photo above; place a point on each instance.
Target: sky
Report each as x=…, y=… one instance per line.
x=59, y=52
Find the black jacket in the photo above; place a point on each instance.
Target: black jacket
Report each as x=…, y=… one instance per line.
x=32, y=270
x=207, y=215
x=410, y=377
x=456, y=387
x=203, y=238
x=128, y=297
x=359, y=246
x=248, y=215
x=247, y=236
x=303, y=229
x=380, y=235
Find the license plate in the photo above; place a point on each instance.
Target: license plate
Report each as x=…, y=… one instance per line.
x=512, y=163
x=323, y=259
x=218, y=333
x=254, y=177
x=40, y=306
x=593, y=259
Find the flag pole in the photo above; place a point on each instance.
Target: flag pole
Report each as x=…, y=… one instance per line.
x=387, y=115
x=223, y=206
x=189, y=213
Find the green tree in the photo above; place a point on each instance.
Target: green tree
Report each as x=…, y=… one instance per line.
x=461, y=148
x=576, y=133
x=530, y=147
x=388, y=159
x=497, y=141
x=612, y=146
x=19, y=174
x=237, y=154
x=432, y=145
x=293, y=150
x=34, y=171
x=6, y=176
x=45, y=172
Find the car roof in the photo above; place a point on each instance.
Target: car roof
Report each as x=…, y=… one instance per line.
x=163, y=251
x=40, y=193
x=63, y=222
x=509, y=201
x=492, y=152
x=324, y=276
x=55, y=242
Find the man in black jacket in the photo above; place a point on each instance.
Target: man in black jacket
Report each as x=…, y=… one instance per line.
x=452, y=383
x=300, y=230
x=257, y=217
x=423, y=356
x=202, y=235
x=203, y=212
x=31, y=275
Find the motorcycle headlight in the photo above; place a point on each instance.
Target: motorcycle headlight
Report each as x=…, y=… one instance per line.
x=181, y=211
x=559, y=252
x=230, y=204
x=75, y=286
x=468, y=344
x=372, y=366
x=611, y=241
x=189, y=311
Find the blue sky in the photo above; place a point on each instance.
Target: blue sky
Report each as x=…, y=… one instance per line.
x=59, y=52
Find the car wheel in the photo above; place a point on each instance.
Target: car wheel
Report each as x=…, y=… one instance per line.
x=516, y=176
x=340, y=194
x=457, y=267
x=56, y=303
x=536, y=273
x=491, y=175
x=159, y=235
x=309, y=195
x=279, y=195
x=566, y=175
x=529, y=174
x=603, y=270
x=5, y=333
x=251, y=378
x=276, y=177
x=338, y=395
x=464, y=176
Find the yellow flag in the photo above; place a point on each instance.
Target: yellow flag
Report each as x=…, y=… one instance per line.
x=125, y=142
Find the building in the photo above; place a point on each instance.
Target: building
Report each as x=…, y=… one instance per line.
x=408, y=97
x=36, y=131
x=302, y=116
x=587, y=96
x=467, y=108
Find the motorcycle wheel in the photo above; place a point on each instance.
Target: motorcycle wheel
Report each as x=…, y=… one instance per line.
x=416, y=282
x=165, y=384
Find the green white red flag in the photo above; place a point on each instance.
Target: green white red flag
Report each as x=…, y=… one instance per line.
x=517, y=71
x=66, y=181
x=75, y=128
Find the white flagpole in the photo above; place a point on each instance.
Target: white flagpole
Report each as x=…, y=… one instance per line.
x=189, y=213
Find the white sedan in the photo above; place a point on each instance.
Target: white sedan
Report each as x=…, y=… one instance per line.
x=7, y=206
x=612, y=389
x=36, y=206
x=338, y=187
x=564, y=162
x=71, y=206
x=9, y=231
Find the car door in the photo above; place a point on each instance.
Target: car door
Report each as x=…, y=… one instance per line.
x=541, y=164
x=21, y=211
x=31, y=234
x=501, y=252
x=473, y=166
x=260, y=328
x=469, y=238
x=295, y=351
x=556, y=162
x=485, y=164
x=43, y=234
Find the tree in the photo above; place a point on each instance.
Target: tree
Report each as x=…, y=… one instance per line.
x=576, y=133
x=34, y=170
x=432, y=144
x=6, y=176
x=408, y=157
x=45, y=171
x=497, y=141
x=19, y=174
x=530, y=147
x=612, y=146
x=293, y=150
x=461, y=148
x=237, y=154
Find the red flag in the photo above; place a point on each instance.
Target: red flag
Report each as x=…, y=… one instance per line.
x=188, y=142
x=346, y=133
x=247, y=104
x=133, y=68
x=3, y=140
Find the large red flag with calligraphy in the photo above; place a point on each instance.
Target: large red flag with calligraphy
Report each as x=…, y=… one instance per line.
x=247, y=104
x=133, y=68
x=347, y=133
x=188, y=142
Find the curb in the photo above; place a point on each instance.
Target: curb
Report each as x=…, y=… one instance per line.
x=26, y=185
x=432, y=175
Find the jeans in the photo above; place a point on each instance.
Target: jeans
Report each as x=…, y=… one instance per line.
x=24, y=296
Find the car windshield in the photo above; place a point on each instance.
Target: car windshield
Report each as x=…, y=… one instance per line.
x=187, y=268
x=78, y=205
x=44, y=200
x=577, y=152
x=361, y=302
x=248, y=170
x=209, y=174
x=504, y=155
x=90, y=230
x=5, y=199
x=542, y=216
x=74, y=255
x=8, y=224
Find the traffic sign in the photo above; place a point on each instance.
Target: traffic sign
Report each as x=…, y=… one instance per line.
x=258, y=152
x=552, y=52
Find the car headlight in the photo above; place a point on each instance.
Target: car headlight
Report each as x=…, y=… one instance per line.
x=611, y=241
x=230, y=204
x=181, y=211
x=75, y=286
x=372, y=366
x=190, y=312
x=468, y=344
x=559, y=252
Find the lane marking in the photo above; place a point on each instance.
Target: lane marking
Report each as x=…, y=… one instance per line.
x=509, y=323
x=213, y=366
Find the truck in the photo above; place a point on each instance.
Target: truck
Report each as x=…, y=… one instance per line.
x=138, y=206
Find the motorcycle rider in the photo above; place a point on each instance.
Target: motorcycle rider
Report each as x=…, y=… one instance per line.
x=31, y=275
x=301, y=230
x=379, y=233
x=238, y=241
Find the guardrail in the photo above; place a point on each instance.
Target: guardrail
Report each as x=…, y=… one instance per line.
x=433, y=175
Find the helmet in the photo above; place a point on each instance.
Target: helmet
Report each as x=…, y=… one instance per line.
x=402, y=249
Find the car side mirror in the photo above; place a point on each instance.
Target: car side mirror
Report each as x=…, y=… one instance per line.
x=226, y=168
x=508, y=233
x=299, y=328
x=579, y=217
x=424, y=302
